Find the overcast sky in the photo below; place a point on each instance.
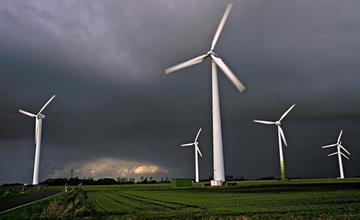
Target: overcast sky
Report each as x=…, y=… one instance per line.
x=117, y=114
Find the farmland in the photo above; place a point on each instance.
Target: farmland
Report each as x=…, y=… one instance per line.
x=325, y=198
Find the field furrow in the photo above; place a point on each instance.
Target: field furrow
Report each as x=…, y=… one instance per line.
x=105, y=204
x=175, y=205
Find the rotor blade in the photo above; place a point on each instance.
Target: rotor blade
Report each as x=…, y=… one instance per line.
x=283, y=116
x=264, y=122
x=189, y=144
x=329, y=155
x=221, y=25
x=345, y=156
x=185, y=64
x=198, y=134
x=339, y=136
x=330, y=145
x=42, y=109
x=282, y=136
x=27, y=113
x=345, y=149
x=198, y=150
x=232, y=77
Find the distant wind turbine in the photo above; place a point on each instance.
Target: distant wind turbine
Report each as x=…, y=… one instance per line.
x=38, y=127
x=339, y=153
x=216, y=61
x=197, y=151
x=281, y=138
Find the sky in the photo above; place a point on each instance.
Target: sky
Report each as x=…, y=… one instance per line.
x=117, y=114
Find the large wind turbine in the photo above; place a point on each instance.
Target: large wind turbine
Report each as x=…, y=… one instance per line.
x=339, y=153
x=216, y=61
x=281, y=137
x=197, y=151
x=38, y=126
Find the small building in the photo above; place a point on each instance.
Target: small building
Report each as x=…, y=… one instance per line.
x=181, y=182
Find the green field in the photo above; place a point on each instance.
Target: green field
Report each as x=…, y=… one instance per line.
x=323, y=198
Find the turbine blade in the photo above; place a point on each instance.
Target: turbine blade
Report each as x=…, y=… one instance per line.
x=27, y=113
x=344, y=156
x=186, y=145
x=330, y=145
x=345, y=149
x=198, y=150
x=232, y=77
x=329, y=155
x=185, y=64
x=264, y=122
x=338, y=140
x=198, y=134
x=46, y=104
x=282, y=135
x=287, y=112
x=221, y=25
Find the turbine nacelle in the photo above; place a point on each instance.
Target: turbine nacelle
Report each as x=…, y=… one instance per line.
x=278, y=123
x=40, y=116
x=210, y=52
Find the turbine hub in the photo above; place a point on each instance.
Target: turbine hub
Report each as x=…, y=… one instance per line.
x=210, y=52
x=277, y=123
x=40, y=116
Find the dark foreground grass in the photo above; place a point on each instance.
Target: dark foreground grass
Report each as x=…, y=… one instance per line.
x=14, y=191
x=328, y=199
x=64, y=205
x=14, y=201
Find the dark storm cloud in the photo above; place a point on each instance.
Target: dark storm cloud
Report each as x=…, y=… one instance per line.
x=105, y=62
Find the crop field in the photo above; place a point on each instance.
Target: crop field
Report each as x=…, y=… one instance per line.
x=325, y=198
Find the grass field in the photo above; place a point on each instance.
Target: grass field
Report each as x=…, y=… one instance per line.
x=323, y=198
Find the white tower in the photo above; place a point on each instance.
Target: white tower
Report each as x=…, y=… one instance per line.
x=38, y=127
x=281, y=137
x=340, y=154
x=216, y=61
x=197, y=151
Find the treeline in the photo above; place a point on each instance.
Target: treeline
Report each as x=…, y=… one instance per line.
x=102, y=181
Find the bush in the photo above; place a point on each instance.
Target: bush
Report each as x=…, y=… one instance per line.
x=72, y=204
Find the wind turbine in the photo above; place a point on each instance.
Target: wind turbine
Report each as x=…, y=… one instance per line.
x=339, y=153
x=281, y=138
x=197, y=151
x=38, y=126
x=216, y=61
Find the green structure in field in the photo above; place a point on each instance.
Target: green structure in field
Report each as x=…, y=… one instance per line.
x=181, y=182
x=282, y=170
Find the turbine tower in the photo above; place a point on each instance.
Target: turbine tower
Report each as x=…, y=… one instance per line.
x=38, y=126
x=281, y=138
x=339, y=153
x=197, y=151
x=216, y=61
